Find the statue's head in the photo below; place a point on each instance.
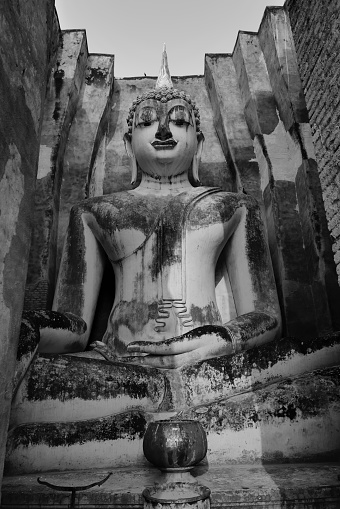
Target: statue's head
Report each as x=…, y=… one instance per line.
x=164, y=136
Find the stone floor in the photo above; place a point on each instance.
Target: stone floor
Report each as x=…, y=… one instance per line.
x=232, y=486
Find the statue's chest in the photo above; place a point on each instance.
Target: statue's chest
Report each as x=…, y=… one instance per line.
x=122, y=224
x=127, y=225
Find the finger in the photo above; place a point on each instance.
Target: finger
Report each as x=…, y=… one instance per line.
x=216, y=348
x=171, y=346
x=215, y=336
x=192, y=340
x=161, y=361
x=172, y=361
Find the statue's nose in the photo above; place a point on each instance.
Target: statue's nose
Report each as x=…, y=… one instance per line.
x=163, y=132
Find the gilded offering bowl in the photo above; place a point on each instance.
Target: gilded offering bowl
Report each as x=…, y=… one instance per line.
x=175, y=445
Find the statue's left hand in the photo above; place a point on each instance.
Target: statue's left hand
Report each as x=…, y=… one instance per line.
x=194, y=346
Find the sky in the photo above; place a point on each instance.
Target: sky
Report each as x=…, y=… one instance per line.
x=135, y=30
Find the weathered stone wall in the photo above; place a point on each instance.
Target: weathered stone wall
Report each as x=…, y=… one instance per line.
x=86, y=135
x=60, y=107
x=262, y=122
x=29, y=37
x=77, y=103
x=316, y=31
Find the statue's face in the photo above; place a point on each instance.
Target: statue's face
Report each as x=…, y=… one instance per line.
x=164, y=138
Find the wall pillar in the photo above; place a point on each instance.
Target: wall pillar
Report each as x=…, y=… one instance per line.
x=315, y=29
x=24, y=68
x=60, y=107
x=277, y=119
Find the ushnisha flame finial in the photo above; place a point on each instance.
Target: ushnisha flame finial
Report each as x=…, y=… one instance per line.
x=164, y=78
x=164, y=91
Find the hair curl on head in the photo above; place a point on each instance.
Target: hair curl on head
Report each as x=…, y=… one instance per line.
x=163, y=94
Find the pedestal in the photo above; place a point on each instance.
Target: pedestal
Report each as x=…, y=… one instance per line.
x=175, y=446
x=181, y=495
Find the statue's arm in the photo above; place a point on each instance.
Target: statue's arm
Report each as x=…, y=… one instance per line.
x=250, y=272
x=77, y=288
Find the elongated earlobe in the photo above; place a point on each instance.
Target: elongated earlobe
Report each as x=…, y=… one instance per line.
x=129, y=151
x=197, y=158
x=134, y=171
x=195, y=165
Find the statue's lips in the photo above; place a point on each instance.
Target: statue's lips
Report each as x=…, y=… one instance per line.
x=164, y=145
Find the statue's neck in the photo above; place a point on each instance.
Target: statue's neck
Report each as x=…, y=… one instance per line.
x=163, y=185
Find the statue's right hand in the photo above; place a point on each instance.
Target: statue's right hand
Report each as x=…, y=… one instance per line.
x=55, y=320
x=59, y=332
x=36, y=330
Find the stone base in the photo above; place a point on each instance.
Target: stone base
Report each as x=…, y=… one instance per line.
x=297, y=486
x=177, y=495
x=276, y=403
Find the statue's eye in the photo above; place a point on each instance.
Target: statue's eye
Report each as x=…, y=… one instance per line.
x=146, y=116
x=179, y=115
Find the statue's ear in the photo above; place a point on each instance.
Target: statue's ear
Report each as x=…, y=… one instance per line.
x=130, y=153
x=197, y=158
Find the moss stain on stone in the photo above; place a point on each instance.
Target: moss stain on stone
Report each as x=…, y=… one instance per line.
x=130, y=426
x=65, y=377
x=229, y=370
x=297, y=399
x=58, y=84
x=134, y=315
x=58, y=80
x=208, y=314
x=28, y=339
x=95, y=76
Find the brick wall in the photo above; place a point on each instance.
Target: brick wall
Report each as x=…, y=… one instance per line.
x=316, y=31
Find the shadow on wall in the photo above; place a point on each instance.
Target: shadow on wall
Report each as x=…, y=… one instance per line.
x=104, y=304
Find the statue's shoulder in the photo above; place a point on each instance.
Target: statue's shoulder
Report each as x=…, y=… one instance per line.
x=232, y=199
x=223, y=204
x=122, y=208
x=117, y=201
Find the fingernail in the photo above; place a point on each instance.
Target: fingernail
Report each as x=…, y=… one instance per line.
x=133, y=348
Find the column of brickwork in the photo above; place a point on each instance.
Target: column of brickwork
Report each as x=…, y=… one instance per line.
x=60, y=107
x=85, y=136
x=230, y=124
x=278, y=48
x=280, y=156
x=316, y=31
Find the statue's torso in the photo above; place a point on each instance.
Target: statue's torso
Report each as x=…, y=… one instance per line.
x=164, y=252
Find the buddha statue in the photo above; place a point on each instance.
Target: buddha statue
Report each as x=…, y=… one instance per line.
x=193, y=276
x=195, y=324
x=193, y=285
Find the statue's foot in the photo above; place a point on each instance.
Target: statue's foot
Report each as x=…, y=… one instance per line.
x=100, y=347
